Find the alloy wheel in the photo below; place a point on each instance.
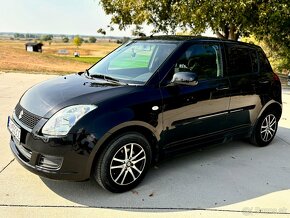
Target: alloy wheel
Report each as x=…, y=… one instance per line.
x=127, y=164
x=268, y=128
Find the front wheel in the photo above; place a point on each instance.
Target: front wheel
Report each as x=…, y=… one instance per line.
x=124, y=163
x=265, y=129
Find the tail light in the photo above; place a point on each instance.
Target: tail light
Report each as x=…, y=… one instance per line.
x=276, y=77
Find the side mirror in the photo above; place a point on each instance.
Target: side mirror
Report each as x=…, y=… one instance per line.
x=185, y=78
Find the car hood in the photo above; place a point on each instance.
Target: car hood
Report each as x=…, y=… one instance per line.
x=46, y=98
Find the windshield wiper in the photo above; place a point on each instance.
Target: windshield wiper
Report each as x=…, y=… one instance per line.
x=87, y=72
x=107, y=78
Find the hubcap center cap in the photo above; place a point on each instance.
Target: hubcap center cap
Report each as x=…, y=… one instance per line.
x=129, y=164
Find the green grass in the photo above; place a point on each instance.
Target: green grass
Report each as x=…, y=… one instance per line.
x=88, y=60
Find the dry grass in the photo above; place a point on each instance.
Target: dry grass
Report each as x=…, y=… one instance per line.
x=13, y=56
x=98, y=49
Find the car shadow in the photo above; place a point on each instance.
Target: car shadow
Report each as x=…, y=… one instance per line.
x=213, y=177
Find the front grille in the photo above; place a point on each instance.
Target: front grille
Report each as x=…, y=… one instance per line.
x=27, y=118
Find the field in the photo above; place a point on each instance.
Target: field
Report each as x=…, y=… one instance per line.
x=13, y=56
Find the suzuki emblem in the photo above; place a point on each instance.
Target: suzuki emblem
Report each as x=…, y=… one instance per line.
x=20, y=115
x=155, y=108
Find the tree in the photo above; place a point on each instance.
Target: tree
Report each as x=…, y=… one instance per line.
x=65, y=39
x=46, y=37
x=78, y=41
x=102, y=31
x=30, y=36
x=16, y=35
x=137, y=31
x=228, y=19
x=19, y=35
x=92, y=39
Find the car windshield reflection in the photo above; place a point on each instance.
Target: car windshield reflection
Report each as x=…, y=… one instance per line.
x=133, y=63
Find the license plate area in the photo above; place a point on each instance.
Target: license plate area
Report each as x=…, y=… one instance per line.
x=14, y=129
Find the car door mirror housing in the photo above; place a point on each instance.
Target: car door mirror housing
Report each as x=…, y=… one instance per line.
x=185, y=78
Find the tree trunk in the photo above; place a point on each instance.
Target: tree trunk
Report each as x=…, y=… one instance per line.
x=219, y=35
x=228, y=32
x=234, y=34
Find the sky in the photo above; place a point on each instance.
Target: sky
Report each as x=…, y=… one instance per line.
x=83, y=17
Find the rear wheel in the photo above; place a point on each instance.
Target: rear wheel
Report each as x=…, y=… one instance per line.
x=265, y=129
x=124, y=163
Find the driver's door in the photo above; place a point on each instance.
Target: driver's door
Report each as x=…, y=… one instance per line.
x=196, y=113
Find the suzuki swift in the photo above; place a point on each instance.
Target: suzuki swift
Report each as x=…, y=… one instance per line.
x=148, y=98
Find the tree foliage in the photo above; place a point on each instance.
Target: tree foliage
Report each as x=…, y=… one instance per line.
x=65, y=39
x=101, y=31
x=78, y=41
x=226, y=18
x=18, y=35
x=46, y=37
x=92, y=39
x=267, y=20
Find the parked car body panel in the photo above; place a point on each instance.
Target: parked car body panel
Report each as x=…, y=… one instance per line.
x=175, y=116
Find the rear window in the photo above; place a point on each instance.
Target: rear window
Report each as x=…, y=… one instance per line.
x=242, y=60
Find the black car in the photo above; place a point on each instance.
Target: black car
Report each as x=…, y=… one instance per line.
x=150, y=97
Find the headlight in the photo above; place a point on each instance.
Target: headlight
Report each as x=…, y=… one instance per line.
x=62, y=121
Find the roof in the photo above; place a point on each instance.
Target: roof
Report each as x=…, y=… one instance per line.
x=177, y=38
x=33, y=44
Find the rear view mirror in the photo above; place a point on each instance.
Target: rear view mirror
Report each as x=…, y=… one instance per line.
x=185, y=78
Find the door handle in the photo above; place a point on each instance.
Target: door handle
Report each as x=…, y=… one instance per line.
x=222, y=88
x=264, y=81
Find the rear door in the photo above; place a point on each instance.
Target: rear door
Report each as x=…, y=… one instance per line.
x=243, y=74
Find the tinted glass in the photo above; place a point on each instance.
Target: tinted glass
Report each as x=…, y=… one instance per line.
x=254, y=60
x=264, y=63
x=204, y=60
x=242, y=60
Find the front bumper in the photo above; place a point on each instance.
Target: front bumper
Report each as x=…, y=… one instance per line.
x=61, y=158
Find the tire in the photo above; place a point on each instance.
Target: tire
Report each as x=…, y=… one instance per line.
x=265, y=129
x=124, y=163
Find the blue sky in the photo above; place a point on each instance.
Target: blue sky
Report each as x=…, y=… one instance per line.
x=54, y=16
x=72, y=17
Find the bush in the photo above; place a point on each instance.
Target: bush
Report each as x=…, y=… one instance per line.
x=92, y=39
x=46, y=37
x=65, y=39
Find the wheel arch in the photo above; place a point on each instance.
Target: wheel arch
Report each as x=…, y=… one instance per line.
x=271, y=105
x=148, y=131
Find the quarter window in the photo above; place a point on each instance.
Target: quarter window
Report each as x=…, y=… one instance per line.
x=242, y=60
x=265, y=66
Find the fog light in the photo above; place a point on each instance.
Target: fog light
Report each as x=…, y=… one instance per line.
x=50, y=162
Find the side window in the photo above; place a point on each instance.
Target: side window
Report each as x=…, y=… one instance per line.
x=264, y=63
x=242, y=60
x=202, y=59
x=254, y=60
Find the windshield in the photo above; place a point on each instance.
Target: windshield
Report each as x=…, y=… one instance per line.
x=133, y=63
